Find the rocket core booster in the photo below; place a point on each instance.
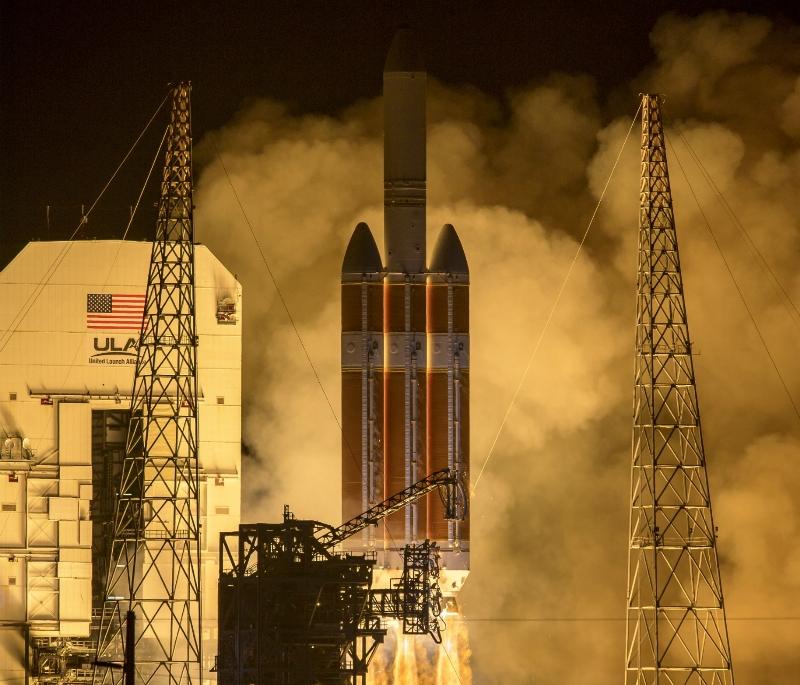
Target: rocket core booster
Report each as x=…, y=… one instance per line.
x=405, y=343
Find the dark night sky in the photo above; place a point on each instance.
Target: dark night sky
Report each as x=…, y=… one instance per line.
x=79, y=79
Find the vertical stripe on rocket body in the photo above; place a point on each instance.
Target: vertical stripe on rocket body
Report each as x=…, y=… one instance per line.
x=404, y=401
x=448, y=377
x=362, y=375
x=404, y=160
x=405, y=343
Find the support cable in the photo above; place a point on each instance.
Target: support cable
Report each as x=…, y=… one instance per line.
x=17, y=320
x=789, y=303
x=290, y=317
x=279, y=292
x=78, y=348
x=735, y=283
x=452, y=664
x=554, y=306
x=604, y=619
x=144, y=187
x=19, y=317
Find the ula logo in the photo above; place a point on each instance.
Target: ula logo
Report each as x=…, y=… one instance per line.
x=111, y=346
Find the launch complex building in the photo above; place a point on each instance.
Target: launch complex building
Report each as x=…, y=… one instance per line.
x=70, y=316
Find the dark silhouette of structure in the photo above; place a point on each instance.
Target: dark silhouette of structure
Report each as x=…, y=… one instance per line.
x=292, y=610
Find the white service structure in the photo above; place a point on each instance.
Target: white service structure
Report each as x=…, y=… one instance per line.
x=66, y=376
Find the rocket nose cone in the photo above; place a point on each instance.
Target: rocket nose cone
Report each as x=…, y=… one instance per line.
x=404, y=54
x=362, y=255
x=448, y=254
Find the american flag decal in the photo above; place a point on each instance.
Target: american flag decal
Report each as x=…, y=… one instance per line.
x=124, y=312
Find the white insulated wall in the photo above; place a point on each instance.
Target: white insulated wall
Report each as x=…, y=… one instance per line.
x=54, y=370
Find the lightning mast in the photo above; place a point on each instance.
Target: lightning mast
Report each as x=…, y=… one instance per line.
x=676, y=628
x=155, y=558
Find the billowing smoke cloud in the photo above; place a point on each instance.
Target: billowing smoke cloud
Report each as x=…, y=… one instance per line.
x=519, y=180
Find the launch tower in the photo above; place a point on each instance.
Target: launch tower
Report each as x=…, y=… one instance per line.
x=676, y=629
x=155, y=557
x=405, y=343
x=293, y=610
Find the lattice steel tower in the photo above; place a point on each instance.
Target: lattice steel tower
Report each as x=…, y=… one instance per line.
x=155, y=558
x=676, y=629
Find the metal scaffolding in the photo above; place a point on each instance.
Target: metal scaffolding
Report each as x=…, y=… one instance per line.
x=415, y=598
x=292, y=610
x=676, y=629
x=449, y=484
x=155, y=557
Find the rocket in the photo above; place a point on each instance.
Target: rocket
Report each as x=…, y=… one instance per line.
x=405, y=343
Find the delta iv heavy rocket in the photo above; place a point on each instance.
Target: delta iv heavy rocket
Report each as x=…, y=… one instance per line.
x=405, y=344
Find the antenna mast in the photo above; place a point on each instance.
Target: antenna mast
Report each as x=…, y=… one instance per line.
x=155, y=557
x=676, y=629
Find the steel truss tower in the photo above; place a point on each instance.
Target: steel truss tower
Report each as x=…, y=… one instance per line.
x=155, y=557
x=676, y=629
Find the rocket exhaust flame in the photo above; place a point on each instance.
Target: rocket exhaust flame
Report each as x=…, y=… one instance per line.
x=405, y=668
x=452, y=661
x=415, y=660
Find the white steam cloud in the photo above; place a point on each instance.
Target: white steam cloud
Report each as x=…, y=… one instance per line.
x=519, y=181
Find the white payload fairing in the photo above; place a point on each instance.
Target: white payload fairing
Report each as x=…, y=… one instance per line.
x=405, y=343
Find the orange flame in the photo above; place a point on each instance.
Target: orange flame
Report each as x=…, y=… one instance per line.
x=416, y=660
x=405, y=659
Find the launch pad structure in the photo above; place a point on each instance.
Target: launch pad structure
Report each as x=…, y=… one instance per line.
x=294, y=611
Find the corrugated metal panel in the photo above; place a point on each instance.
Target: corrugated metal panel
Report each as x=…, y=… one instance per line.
x=12, y=655
x=79, y=554
x=68, y=532
x=12, y=512
x=74, y=628
x=74, y=569
x=68, y=488
x=42, y=532
x=85, y=531
x=80, y=473
x=74, y=433
x=42, y=591
x=12, y=589
x=62, y=509
x=75, y=599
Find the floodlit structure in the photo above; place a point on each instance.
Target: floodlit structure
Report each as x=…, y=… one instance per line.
x=70, y=317
x=154, y=571
x=676, y=629
x=405, y=344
